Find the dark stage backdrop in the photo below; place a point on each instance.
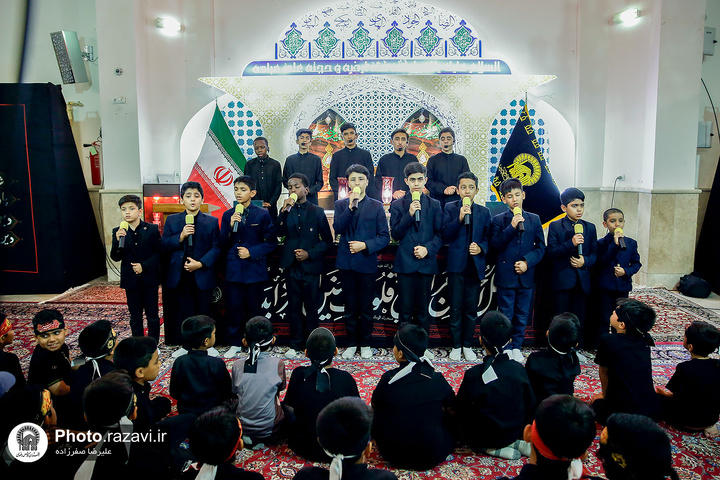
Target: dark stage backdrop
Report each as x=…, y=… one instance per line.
x=49, y=240
x=707, y=253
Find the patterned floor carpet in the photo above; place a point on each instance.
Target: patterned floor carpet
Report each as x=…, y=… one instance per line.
x=695, y=456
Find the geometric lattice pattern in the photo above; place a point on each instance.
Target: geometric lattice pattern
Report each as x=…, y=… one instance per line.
x=243, y=123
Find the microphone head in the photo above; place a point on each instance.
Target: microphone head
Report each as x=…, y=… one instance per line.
x=294, y=197
x=517, y=211
x=189, y=219
x=357, y=190
x=467, y=201
x=415, y=196
x=619, y=230
x=239, y=208
x=578, y=228
x=124, y=225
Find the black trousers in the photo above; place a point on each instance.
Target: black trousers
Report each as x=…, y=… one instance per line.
x=190, y=301
x=608, y=302
x=413, y=299
x=464, y=292
x=573, y=300
x=244, y=301
x=139, y=299
x=303, y=290
x=359, y=291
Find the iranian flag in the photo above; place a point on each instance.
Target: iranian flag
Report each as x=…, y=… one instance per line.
x=219, y=162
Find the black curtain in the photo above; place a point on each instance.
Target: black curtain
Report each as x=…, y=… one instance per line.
x=707, y=253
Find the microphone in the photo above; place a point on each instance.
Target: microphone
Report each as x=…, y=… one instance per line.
x=355, y=201
x=238, y=209
x=579, y=229
x=621, y=240
x=124, y=225
x=294, y=197
x=416, y=197
x=190, y=220
x=521, y=225
x=467, y=201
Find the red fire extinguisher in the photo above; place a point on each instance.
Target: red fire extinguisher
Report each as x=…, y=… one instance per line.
x=95, y=163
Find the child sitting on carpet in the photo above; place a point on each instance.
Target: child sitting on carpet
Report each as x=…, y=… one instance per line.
x=343, y=430
x=624, y=363
x=411, y=404
x=563, y=430
x=633, y=447
x=258, y=380
x=198, y=381
x=692, y=398
x=311, y=389
x=215, y=438
x=9, y=362
x=553, y=371
x=495, y=400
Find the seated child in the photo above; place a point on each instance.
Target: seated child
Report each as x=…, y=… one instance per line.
x=343, y=429
x=9, y=362
x=624, y=359
x=258, y=380
x=495, y=400
x=563, y=430
x=198, y=381
x=215, y=438
x=410, y=406
x=553, y=371
x=310, y=389
x=692, y=398
x=634, y=447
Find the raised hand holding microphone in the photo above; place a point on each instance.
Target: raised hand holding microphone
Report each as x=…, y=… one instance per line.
x=466, y=210
x=620, y=238
x=518, y=221
x=415, y=206
x=189, y=229
x=578, y=239
x=355, y=197
x=289, y=202
x=236, y=218
x=120, y=234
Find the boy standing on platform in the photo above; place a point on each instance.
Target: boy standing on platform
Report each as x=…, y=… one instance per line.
x=466, y=228
x=140, y=267
x=267, y=174
x=517, y=237
x=305, y=163
x=571, y=248
x=191, y=238
x=350, y=155
x=444, y=168
x=393, y=164
x=363, y=228
x=415, y=222
x=307, y=237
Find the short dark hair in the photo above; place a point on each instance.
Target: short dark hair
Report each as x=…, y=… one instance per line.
x=564, y=331
x=343, y=427
x=414, y=337
x=610, y=211
x=133, y=353
x=495, y=330
x=258, y=329
x=570, y=194
x=131, y=198
x=447, y=130
x=357, y=168
x=247, y=180
x=320, y=344
x=469, y=175
x=566, y=425
x=47, y=315
x=214, y=435
x=303, y=130
x=509, y=185
x=704, y=337
x=263, y=139
x=188, y=185
x=196, y=329
x=399, y=130
x=413, y=168
x=303, y=178
x=108, y=399
x=21, y=404
x=638, y=316
x=347, y=126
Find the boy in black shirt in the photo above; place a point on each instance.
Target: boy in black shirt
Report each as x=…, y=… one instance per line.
x=267, y=174
x=198, y=381
x=311, y=388
x=350, y=155
x=305, y=163
x=495, y=400
x=692, y=398
x=9, y=362
x=553, y=371
x=444, y=169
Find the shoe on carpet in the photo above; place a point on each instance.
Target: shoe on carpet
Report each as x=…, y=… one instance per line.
x=469, y=354
x=232, y=352
x=365, y=352
x=291, y=353
x=508, y=453
x=523, y=447
x=455, y=354
x=180, y=351
x=349, y=353
x=429, y=355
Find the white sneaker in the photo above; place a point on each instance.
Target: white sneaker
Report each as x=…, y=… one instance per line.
x=212, y=352
x=517, y=355
x=178, y=352
x=469, y=354
x=349, y=353
x=232, y=352
x=291, y=353
x=365, y=352
x=429, y=355
x=455, y=354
